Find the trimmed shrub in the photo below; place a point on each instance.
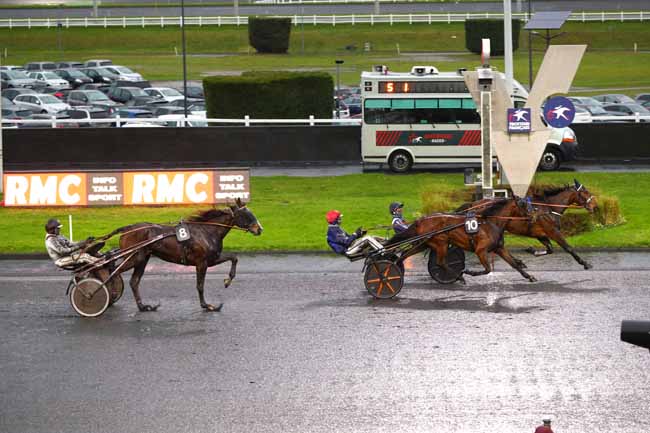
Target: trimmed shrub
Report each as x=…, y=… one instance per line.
x=269, y=35
x=475, y=30
x=278, y=95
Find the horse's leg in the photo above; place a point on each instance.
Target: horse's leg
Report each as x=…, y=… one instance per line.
x=482, y=255
x=546, y=242
x=555, y=235
x=233, y=267
x=505, y=255
x=200, y=281
x=138, y=270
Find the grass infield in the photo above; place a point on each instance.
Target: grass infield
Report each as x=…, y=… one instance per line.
x=610, y=61
x=292, y=211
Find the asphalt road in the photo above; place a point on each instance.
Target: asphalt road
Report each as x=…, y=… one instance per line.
x=149, y=8
x=300, y=347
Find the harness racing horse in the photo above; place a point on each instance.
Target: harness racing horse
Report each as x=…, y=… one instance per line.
x=203, y=249
x=450, y=228
x=550, y=205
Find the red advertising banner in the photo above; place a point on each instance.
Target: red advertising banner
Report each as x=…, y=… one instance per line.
x=126, y=188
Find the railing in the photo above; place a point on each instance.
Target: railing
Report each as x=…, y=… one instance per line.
x=332, y=20
x=155, y=122
x=246, y=121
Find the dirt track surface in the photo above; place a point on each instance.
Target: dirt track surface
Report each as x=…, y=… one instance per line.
x=300, y=347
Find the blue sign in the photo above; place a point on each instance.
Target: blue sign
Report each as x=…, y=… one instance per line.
x=559, y=112
x=518, y=120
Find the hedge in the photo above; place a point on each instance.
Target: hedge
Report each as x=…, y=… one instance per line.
x=475, y=30
x=269, y=35
x=278, y=95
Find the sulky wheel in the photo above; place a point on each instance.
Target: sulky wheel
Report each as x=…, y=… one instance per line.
x=455, y=263
x=116, y=288
x=384, y=279
x=89, y=297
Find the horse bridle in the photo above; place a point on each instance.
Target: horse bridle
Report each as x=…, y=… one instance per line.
x=591, y=197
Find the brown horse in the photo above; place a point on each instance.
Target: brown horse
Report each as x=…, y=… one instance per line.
x=203, y=249
x=545, y=226
x=452, y=228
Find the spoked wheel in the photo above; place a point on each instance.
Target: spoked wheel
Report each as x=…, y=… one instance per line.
x=89, y=297
x=384, y=279
x=455, y=263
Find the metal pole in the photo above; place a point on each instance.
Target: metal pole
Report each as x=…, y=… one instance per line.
x=507, y=44
x=530, y=49
x=184, y=61
x=95, y=8
x=377, y=7
x=302, y=30
x=338, y=88
x=236, y=7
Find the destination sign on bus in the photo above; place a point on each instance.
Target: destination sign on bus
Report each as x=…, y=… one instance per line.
x=422, y=87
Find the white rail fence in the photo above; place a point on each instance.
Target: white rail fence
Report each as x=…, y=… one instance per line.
x=332, y=20
x=246, y=121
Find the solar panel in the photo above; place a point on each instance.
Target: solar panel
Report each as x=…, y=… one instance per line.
x=547, y=20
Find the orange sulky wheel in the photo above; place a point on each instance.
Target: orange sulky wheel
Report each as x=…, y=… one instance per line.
x=384, y=279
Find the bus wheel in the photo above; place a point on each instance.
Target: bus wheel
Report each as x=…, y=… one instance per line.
x=400, y=162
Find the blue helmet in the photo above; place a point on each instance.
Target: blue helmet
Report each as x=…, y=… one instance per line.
x=395, y=208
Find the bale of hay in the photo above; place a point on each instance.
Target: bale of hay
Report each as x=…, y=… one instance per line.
x=608, y=212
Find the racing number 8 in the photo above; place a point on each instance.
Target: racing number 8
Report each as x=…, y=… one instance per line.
x=182, y=233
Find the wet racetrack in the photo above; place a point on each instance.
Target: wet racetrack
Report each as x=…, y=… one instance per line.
x=300, y=347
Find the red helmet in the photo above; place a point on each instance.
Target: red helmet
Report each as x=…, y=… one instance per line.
x=332, y=216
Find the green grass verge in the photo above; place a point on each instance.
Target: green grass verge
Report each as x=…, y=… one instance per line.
x=609, y=63
x=292, y=210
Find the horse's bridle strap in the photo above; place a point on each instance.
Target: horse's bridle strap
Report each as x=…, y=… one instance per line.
x=216, y=224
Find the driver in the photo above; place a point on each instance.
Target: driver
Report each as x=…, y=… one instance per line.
x=342, y=242
x=398, y=223
x=65, y=253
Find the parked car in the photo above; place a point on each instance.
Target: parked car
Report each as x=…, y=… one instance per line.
x=598, y=112
x=74, y=77
x=91, y=98
x=166, y=94
x=66, y=65
x=167, y=109
x=40, y=66
x=95, y=86
x=562, y=146
x=6, y=101
x=62, y=94
x=354, y=104
x=642, y=98
x=12, y=93
x=11, y=68
x=613, y=98
x=143, y=84
x=124, y=73
x=131, y=113
x=100, y=75
x=15, y=78
x=62, y=115
x=49, y=79
x=126, y=94
x=16, y=112
x=582, y=115
x=195, y=92
x=341, y=110
x=41, y=103
x=629, y=109
x=86, y=113
x=190, y=102
x=94, y=63
x=584, y=101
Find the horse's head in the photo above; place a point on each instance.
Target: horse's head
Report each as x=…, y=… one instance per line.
x=584, y=197
x=245, y=219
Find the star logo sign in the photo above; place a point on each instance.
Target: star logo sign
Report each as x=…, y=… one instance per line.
x=558, y=112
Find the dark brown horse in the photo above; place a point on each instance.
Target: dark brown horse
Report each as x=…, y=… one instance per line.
x=488, y=239
x=549, y=206
x=203, y=249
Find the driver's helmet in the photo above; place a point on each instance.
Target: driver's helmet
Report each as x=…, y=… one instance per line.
x=52, y=224
x=395, y=208
x=333, y=216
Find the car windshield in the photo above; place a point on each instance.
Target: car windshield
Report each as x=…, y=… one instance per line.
x=49, y=99
x=48, y=66
x=96, y=95
x=596, y=110
x=170, y=92
x=105, y=71
x=638, y=108
x=17, y=75
x=51, y=76
x=136, y=91
x=76, y=74
x=624, y=98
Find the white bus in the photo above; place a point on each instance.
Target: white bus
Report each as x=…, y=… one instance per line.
x=427, y=116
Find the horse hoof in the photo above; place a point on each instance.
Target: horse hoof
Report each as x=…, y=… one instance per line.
x=144, y=308
x=587, y=266
x=212, y=308
x=226, y=282
x=530, y=250
x=532, y=279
